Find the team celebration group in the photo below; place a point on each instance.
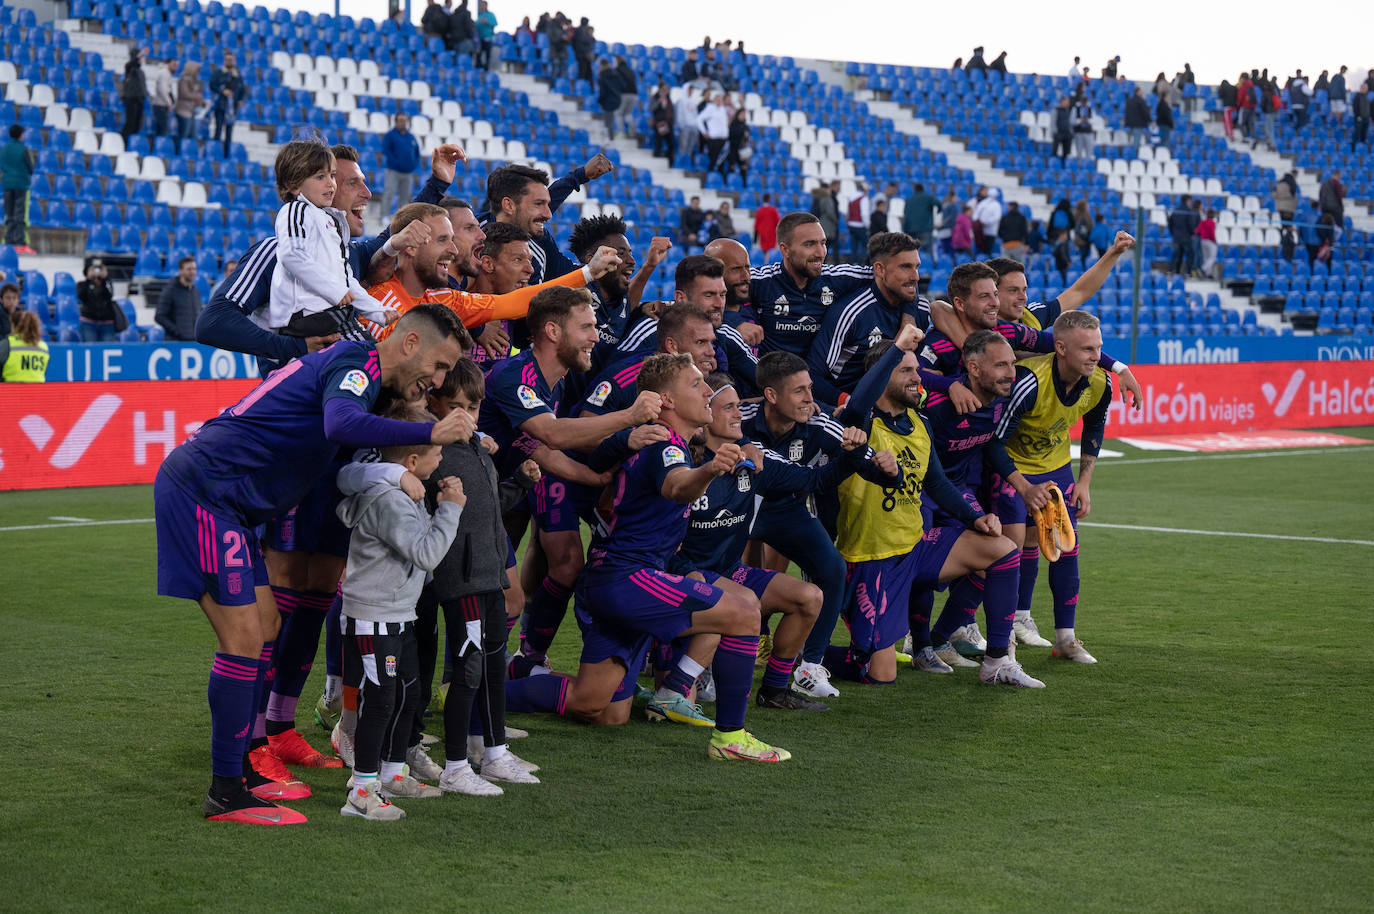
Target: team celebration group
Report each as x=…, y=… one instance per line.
x=459, y=386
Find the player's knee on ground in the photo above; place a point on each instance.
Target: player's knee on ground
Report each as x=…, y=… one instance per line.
x=615, y=714
x=882, y=665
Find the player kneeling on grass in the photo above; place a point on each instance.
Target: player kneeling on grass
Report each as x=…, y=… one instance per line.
x=719, y=529
x=878, y=524
x=626, y=599
x=395, y=543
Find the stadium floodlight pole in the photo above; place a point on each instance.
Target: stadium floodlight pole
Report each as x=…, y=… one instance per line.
x=1138, y=257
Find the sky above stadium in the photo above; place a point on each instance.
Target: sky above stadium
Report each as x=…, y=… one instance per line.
x=1218, y=39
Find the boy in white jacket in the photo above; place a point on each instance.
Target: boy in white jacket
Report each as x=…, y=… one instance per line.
x=394, y=544
x=314, y=291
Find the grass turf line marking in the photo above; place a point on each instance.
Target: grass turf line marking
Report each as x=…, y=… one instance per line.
x=1294, y=453
x=89, y=523
x=72, y=520
x=1258, y=536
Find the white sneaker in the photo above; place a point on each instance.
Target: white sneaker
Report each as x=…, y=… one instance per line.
x=967, y=639
x=343, y=745
x=813, y=680
x=369, y=803
x=951, y=657
x=1072, y=650
x=1027, y=633
x=421, y=765
x=706, y=686
x=469, y=782
x=515, y=732
x=1005, y=671
x=403, y=785
x=927, y=661
x=906, y=645
x=507, y=768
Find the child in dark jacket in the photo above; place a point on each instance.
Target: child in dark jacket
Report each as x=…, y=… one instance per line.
x=468, y=584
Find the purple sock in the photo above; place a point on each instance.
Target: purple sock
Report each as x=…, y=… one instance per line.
x=999, y=603
x=333, y=637
x=1064, y=588
x=734, y=672
x=294, y=658
x=543, y=614
x=537, y=694
x=843, y=663
x=964, y=596
x=679, y=681
x=264, y=689
x=919, y=605
x=233, y=684
x=778, y=671
x=1030, y=567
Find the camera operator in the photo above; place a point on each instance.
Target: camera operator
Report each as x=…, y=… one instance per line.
x=97, y=304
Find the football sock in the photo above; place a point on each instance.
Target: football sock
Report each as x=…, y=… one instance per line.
x=362, y=778
x=333, y=639
x=1064, y=588
x=778, y=671
x=453, y=766
x=492, y=753
x=230, y=693
x=538, y=694
x=543, y=613
x=295, y=656
x=920, y=604
x=681, y=678
x=999, y=603
x=1030, y=567
x=390, y=771
x=264, y=689
x=964, y=596
x=734, y=672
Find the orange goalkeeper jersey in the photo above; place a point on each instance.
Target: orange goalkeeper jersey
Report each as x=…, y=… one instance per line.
x=473, y=309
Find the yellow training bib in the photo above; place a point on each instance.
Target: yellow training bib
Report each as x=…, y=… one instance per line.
x=877, y=522
x=1040, y=443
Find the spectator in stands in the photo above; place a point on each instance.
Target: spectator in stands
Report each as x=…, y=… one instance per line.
x=228, y=89
x=557, y=30
x=584, y=47
x=525, y=30
x=1101, y=236
x=689, y=72
x=976, y=62
x=462, y=33
x=688, y=139
x=1012, y=231
x=713, y=122
x=162, y=92
x=190, y=96
x=987, y=216
x=661, y=117
x=1082, y=231
x=1163, y=89
x=133, y=93
x=1359, y=132
x=1035, y=240
x=1336, y=93
x=17, y=165
x=23, y=351
x=1307, y=232
x=1063, y=255
x=96, y=296
x=1083, y=134
x=877, y=220
x=918, y=218
x=825, y=206
x=486, y=34
x=949, y=212
x=1164, y=119
x=1267, y=107
x=1286, y=196
x=1109, y=71
x=434, y=22
x=9, y=307
x=179, y=304
x=629, y=95
x=402, y=161
x=957, y=66
x=1207, y=235
x=1000, y=64
x=608, y=94
x=1183, y=223
x=1076, y=71
x=1299, y=95
x=858, y=209
x=1063, y=128
x=725, y=223
x=1137, y=116
x=1226, y=95
x=961, y=239
x=1326, y=238
x=1245, y=103
x=689, y=225
x=1061, y=220
x=741, y=143
x=1331, y=198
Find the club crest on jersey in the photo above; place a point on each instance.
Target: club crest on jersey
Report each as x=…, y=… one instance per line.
x=794, y=451
x=355, y=382
x=598, y=396
x=827, y=297
x=527, y=397
x=742, y=481
x=672, y=454
x=391, y=665
x=235, y=582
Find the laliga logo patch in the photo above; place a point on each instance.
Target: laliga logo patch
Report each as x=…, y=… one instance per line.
x=391, y=666
x=794, y=451
x=598, y=397
x=672, y=454
x=355, y=382
x=527, y=397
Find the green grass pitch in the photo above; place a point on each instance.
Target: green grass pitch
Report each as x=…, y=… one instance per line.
x=1213, y=760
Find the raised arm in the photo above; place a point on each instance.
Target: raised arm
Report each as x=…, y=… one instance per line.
x=1087, y=285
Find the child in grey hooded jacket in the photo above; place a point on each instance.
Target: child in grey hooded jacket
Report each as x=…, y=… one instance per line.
x=394, y=544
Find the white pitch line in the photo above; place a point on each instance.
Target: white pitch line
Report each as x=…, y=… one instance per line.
x=1293, y=453
x=71, y=520
x=1258, y=536
x=92, y=523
